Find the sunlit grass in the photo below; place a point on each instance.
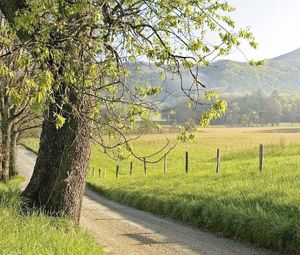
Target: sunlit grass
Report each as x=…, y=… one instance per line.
x=240, y=202
x=32, y=233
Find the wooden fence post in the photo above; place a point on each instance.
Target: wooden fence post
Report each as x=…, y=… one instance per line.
x=131, y=168
x=145, y=166
x=261, y=157
x=186, y=162
x=93, y=171
x=218, y=161
x=165, y=164
x=117, y=171
x=99, y=172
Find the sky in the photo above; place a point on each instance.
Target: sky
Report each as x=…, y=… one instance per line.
x=275, y=24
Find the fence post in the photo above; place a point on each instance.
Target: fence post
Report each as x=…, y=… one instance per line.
x=131, y=168
x=117, y=171
x=99, y=172
x=218, y=161
x=186, y=162
x=145, y=166
x=261, y=157
x=93, y=171
x=165, y=164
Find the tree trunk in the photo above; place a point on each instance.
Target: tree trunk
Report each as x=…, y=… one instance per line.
x=58, y=180
x=12, y=156
x=5, y=129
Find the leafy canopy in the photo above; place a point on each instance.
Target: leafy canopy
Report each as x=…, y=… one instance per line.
x=84, y=46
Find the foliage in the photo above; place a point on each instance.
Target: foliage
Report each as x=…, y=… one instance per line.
x=260, y=109
x=82, y=48
x=253, y=109
x=21, y=87
x=21, y=79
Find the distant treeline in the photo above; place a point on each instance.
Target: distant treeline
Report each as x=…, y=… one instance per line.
x=256, y=109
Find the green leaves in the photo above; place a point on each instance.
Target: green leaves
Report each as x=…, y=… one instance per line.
x=146, y=91
x=257, y=62
x=59, y=120
x=185, y=136
x=217, y=109
x=39, y=86
x=5, y=72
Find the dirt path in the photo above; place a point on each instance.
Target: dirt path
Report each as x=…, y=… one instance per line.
x=126, y=231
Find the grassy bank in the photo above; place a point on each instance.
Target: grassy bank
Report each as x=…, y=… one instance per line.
x=239, y=202
x=34, y=233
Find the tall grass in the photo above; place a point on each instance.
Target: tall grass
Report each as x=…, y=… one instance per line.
x=239, y=202
x=33, y=233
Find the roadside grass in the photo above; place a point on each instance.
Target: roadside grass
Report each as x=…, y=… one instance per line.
x=239, y=202
x=33, y=233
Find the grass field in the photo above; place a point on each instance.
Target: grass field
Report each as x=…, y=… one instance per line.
x=36, y=234
x=239, y=202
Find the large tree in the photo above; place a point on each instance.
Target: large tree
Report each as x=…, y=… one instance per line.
x=86, y=46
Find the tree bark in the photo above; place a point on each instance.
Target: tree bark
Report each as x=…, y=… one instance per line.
x=12, y=156
x=6, y=125
x=5, y=129
x=58, y=180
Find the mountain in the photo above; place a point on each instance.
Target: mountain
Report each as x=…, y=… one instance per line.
x=291, y=56
x=225, y=76
x=236, y=77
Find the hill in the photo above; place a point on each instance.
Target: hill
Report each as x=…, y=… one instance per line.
x=225, y=76
x=293, y=55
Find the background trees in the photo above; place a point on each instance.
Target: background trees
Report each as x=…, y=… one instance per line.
x=260, y=109
x=255, y=109
x=17, y=94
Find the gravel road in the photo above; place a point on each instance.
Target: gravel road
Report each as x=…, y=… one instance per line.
x=125, y=231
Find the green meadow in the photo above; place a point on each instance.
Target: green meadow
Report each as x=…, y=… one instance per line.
x=239, y=202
